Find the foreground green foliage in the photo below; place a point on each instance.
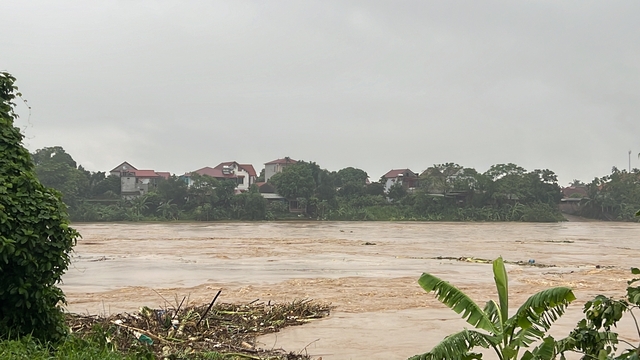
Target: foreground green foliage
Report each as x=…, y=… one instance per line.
x=493, y=327
x=93, y=347
x=593, y=336
x=35, y=239
x=72, y=348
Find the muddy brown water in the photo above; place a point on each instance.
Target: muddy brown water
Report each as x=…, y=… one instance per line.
x=367, y=270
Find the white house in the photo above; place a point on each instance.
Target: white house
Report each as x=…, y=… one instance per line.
x=407, y=178
x=273, y=167
x=244, y=175
x=134, y=182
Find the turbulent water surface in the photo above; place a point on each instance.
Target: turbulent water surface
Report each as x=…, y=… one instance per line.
x=368, y=270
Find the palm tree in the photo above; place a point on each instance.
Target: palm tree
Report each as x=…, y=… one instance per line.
x=494, y=328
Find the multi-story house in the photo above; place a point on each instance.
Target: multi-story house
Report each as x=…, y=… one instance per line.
x=134, y=182
x=273, y=167
x=244, y=175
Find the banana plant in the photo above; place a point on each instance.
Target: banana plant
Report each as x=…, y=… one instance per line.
x=494, y=329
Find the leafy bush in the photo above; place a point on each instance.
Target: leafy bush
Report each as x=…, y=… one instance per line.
x=73, y=348
x=594, y=337
x=541, y=212
x=35, y=239
x=249, y=206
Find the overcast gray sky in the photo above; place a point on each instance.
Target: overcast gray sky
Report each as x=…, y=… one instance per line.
x=179, y=85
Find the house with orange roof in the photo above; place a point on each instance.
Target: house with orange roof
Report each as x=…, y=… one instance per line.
x=244, y=175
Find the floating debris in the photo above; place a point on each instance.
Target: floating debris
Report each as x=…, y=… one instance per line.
x=531, y=262
x=225, y=328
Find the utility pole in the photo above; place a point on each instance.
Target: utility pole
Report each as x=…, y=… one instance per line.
x=629, y=161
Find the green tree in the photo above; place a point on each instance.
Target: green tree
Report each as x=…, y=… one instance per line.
x=35, y=237
x=202, y=190
x=351, y=175
x=107, y=187
x=55, y=168
x=352, y=182
x=396, y=192
x=498, y=171
x=173, y=189
x=613, y=197
x=375, y=189
x=295, y=181
x=576, y=182
x=543, y=187
x=55, y=154
x=494, y=328
x=250, y=205
x=225, y=191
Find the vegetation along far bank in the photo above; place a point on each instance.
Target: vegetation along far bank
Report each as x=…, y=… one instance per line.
x=443, y=192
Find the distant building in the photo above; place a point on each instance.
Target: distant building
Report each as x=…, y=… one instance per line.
x=268, y=191
x=573, y=198
x=125, y=166
x=574, y=192
x=407, y=178
x=273, y=167
x=244, y=175
x=134, y=182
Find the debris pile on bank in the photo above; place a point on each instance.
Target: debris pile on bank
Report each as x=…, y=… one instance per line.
x=184, y=332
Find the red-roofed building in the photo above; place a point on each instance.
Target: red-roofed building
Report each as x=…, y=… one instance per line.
x=145, y=174
x=273, y=167
x=406, y=177
x=134, y=182
x=243, y=174
x=164, y=174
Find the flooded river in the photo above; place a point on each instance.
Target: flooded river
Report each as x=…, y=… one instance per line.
x=367, y=270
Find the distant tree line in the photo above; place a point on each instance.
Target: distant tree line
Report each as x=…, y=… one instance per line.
x=612, y=197
x=444, y=192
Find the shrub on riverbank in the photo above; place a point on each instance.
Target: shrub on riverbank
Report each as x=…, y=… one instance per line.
x=72, y=348
x=539, y=212
x=35, y=237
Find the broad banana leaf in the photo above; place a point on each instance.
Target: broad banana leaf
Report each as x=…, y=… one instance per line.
x=544, y=351
x=457, y=301
x=492, y=311
x=502, y=285
x=538, y=313
x=458, y=346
